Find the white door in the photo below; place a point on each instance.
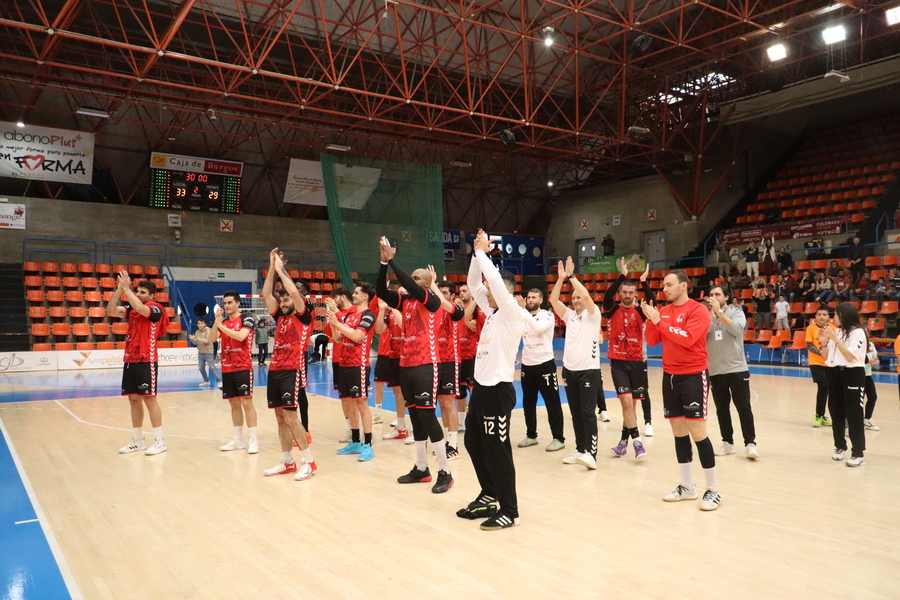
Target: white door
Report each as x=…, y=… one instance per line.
x=655, y=248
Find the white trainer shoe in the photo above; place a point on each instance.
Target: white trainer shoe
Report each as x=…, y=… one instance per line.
x=710, y=501
x=725, y=449
x=648, y=430
x=305, y=471
x=604, y=416
x=396, y=434
x=870, y=426
x=203, y=384
x=253, y=446
x=133, y=446
x=587, y=461
x=394, y=423
x=681, y=493
x=158, y=447
x=376, y=416
x=752, y=452
x=234, y=444
x=573, y=459
x=410, y=440
x=345, y=439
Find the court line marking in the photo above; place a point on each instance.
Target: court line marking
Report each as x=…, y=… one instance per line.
x=55, y=548
x=28, y=521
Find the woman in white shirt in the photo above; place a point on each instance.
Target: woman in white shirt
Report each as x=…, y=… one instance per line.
x=845, y=354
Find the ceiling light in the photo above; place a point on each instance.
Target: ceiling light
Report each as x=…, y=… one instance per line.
x=92, y=112
x=892, y=15
x=837, y=74
x=549, y=184
x=776, y=52
x=835, y=34
x=459, y=163
x=20, y=123
x=548, y=35
x=637, y=129
x=338, y=147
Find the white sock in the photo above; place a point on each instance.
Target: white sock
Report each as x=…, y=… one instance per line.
x=710, y=478
x=378, y=407
x=462, y=419
x=687, y=477
x=251, y=431
x=306, y=455
x=440, y=450
x=157, y=434
x=287, y=457
x=137, y=433
x=421, y=455
x=239, y=432
x=401, y=423
x=452, y=437
x=348, y=423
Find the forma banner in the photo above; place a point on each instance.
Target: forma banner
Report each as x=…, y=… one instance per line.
x=12, y=216
x=20, y=362
x=635, y=263
x=46, y=154
x=305, y=184
x=783, y=231
x=73, y=360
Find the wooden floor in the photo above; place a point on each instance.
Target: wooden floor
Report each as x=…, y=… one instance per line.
x=199, y=523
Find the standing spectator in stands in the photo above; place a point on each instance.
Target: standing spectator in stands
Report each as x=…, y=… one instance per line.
x=785, y=260
x=823, y=293
x=751, y=255
x=879, y=289
x=497, y=256
x=262, y=341
x=609, y=245
x=200, y=338
x=815, y=248
x=841, y=287
x=763, y=308
x=834, y=269
x=782, y=314
x=737, y=302
x=769, y=260
x=856, y=254
x=723, y=260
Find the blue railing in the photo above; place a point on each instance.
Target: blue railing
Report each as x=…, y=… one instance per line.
x=90, y=251
x=108, y=246
x=175, y=295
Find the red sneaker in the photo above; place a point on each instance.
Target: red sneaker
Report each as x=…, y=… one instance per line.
x=282, y=469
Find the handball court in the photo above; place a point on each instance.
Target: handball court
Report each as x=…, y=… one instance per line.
x=81, y=521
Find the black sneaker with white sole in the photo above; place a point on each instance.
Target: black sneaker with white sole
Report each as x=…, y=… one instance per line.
x=500, y=521
x=443, y=483
x=482, y=507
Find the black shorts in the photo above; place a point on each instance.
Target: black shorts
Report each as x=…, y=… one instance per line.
x=685, y=395
x=387, y=371
x=335, y=371
x=448, y=384
x=237, y=384
x=353, y=382
x=285, y=389
x=139, y=379
x=467, y=372
x=420, y=385
x=630, y=377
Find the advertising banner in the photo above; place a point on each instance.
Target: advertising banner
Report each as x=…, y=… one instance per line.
x=609, y=264
x=783, y=231
x=73, y=360
x=306, y=186
x=46, y=154
x=20, y=362
x=194, y=164
x=12, y=216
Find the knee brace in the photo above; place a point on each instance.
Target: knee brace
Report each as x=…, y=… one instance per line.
x=683, y=451
x=705, y=451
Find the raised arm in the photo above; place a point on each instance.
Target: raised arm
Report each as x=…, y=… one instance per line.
x=125, y=287
x=112, y=307
x=558, y=307
x=433, y=286
x=290, y=286
x=473, y=279
x=589, y=305
x=506, y=303
x=268, y=290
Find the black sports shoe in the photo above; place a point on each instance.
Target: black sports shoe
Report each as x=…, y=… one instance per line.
x=443, y=483
x=452, y=453
x=482, y=500
x=500, y=521
x=417, y=476
x=478, y=512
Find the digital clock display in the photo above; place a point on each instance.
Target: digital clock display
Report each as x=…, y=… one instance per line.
x=187, y=190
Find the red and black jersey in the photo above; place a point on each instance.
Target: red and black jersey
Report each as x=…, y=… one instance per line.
x=420, y=332
x=356, y=354
x=468, y=339
x=337, y=347
x=682, y=330
x=448, y=341
x=235, y=354
x=626, y=333
x=396, y=333
x=385, y=337
x=140, y=341
x=291, y=339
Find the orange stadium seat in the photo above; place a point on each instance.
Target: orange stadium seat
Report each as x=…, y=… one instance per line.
x=86, y=268
x=55, y=296
x=58, y=312
x=61, y=329
x=35, y=296
x=74, y=296
x=102, y=269
x=97, y=312
x=81, y=329
x=120, y=328
x=37, y=312
x=33, y=281
x=50, y=267
x=100, y=329
x=68, y=268
x=106, y=345
x=40, y=329
x=42, y=347
x=888, y=307
x=84, y=346
x=62, y=346
x=77, y=312
x=93, y=296
x=71, y=282
x=53, y=281
x=151, y=271
x=31, y=266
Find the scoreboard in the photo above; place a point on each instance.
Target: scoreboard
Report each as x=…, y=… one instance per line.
x=191, y=183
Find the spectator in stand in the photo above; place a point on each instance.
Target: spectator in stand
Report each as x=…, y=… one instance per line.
x=205, y=358
x=841, y=287
x=894, y=289
x=780, y=288
x=742, y=280
x=861, y=290
x=815, y=248
x=782, y=314
x=823, y=294
x=723, y=260
x=262, y=341
x=834, y=269
x=497, y=256
x=806, y=289
x=609, y=245
x=878, y=289
x=737, y=302
x=790, y=282
x=763, y=303
x=785, y=260
x=751, y=255
x=769, y=260
x=856, y=254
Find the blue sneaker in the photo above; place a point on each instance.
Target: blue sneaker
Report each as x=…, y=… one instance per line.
x=351, y=448
x=366, y=454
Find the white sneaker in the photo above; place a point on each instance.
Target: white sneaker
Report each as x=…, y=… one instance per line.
x=588, y=461
x=203, y=384
x=856, y=461
x=158, y=447
x=752, y=453
x=281, y=469
x=134, y=446
x=604, y=416
x=396, y=434
x=253, y=446
x=710, y=501
x=376, y=416
x=345, y=439
x=681, y=493
x=394, y=423
x=305, y=471
x=648, y=430
x=573, y=459
x=555, y=446
x=725, y=449
x=234, y=444
x=410, y=440
x=838, y=455
x=871, y=426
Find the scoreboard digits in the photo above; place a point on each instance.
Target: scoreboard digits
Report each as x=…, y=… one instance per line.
x=172, y=186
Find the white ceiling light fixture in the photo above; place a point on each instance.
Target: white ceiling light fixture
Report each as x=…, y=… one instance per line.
x=20, y=123
x=338, y=147
x=460, y=163
x=92, y=112
x=841, y=77
x=549, y=184
x=548, y=35
x=638, y=130
x=777, y=52
x=892, y=15
x=834, y=34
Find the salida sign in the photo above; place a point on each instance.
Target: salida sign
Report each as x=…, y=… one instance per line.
x=46, y=154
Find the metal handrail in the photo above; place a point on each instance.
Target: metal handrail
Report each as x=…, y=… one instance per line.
x=91, y=258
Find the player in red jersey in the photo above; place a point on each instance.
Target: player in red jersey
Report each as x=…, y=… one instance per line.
x=468, y=330
x=682, y=327
x=286, y=390
x=147, y=322
x=627, y=355
x=355, y=332
x=420, y=375
x=236, y=332
x=340, y=304
x=389, y=325
x=448, y=355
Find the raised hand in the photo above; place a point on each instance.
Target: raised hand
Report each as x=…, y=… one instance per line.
x=520, y=300
x=650, y=311
x=646, y=273
x=570, y=265
x=622, y=268
x=387, y=251
x=273, y=255
x=561, y=269
x=481, y=242
x=124, y=280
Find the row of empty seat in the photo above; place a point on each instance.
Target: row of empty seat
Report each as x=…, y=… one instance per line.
x=50, y=268
x=89, y=346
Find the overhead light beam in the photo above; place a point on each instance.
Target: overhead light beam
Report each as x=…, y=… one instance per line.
x=776, y=52
x=834, y=34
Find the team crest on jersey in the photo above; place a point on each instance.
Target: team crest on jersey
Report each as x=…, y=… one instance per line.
x=243, y=387
x=680, y=318
x=423, y=396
